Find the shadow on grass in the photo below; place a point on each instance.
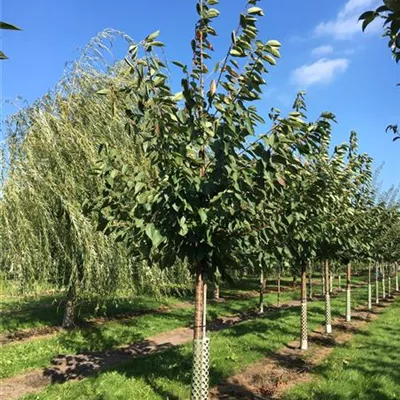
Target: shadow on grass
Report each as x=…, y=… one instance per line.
x=44, y=311
x=46, y=314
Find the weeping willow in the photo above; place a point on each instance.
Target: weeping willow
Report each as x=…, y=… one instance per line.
x=49, y=155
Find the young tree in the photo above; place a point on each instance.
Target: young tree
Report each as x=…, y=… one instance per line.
x=209, y=193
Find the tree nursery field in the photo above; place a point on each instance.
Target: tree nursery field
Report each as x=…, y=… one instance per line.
x=164, y=240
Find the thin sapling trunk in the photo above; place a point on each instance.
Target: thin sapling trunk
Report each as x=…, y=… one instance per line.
x=348, y=293
x=310, y=285
x=376, y=284
x=278, y=294
x=369, y=288
x=262, y=289
x=328, y=318
x=303, y=316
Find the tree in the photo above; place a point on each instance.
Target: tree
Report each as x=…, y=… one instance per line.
x=390, y=13
x=50, y=154
x=209, y=193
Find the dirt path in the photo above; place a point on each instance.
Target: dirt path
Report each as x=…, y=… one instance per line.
x=270, y=377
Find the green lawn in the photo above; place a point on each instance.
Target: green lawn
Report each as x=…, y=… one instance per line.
x=368, y=367
x=19, y=357
x=46, y=310
x=166, y=375
x=27, y=312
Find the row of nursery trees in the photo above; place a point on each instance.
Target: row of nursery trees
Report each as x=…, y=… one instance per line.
x=114, y=181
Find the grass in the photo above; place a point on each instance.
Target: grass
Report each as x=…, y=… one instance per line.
x=46, y=310
x=366, y=368
x=16, y=358
x=166, y=375
x=29, y=312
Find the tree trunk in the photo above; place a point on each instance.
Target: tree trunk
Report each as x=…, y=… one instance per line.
x=216, y=292
x=70, y=306
x=396, y=271
x=389, y=282
x=328, y=318
x=199, y=303
x=200, y=369
x=278, y=295
x=340, y=283
x=331, y=282
x=294, y=284
x=262, y=288
x=369, y=288
x=383, y=282
x=323, y=279
x=303, y=317
x=348, y=293
x=310, y=285
x=376, y=284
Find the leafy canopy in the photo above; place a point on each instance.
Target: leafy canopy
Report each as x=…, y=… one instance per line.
x=214, y=185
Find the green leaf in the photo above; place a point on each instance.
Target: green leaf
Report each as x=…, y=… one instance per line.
x=157, y=44
x=233, y=37
x=212, y=13
x=153, y=234
x=184, y=228
x=152, y=36
x=177, y=96
x=103, y=92
x=203, y=215
x=235, y=53
x=255, y=10
x=179, y=64
x=273, y=43
x=366, y=15
x=271, y=60
x=4, y=25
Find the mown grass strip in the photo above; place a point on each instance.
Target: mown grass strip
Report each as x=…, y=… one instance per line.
x=46, y=311
x=365, y=368
x=30, y=312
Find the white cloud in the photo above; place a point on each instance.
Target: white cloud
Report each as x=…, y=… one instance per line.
x=322, y=51
x=322, y=71
x=296, y=39
x=346, y=24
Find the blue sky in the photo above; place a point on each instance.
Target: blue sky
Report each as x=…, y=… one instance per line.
x=323, y=52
